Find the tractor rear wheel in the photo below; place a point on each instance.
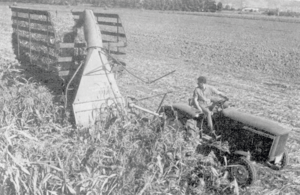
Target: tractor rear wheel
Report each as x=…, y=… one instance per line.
x=170, y=118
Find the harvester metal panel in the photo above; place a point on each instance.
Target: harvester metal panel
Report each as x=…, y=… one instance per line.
x=97, y=84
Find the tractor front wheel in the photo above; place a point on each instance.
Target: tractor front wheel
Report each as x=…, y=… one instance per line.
x=283, y=163
x=285, y=160
x=243, y=171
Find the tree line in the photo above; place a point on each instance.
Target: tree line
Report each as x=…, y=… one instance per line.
x=176, y=5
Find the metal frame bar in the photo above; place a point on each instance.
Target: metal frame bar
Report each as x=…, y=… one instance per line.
x=29, y=27
x=118, y=34
x=18, y=37
x=48, y=41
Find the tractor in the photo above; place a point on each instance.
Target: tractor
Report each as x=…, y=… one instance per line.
x=247, y=137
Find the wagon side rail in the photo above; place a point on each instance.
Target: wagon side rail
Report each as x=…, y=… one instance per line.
x=34, y=37
x=112, y=31
x=36, y=42
x=70, y=56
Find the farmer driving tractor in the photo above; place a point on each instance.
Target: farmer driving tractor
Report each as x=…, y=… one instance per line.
x=203, y=101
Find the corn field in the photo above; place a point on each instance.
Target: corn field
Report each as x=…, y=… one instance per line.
x=124, y=154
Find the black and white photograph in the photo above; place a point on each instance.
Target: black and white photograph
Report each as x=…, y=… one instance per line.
x=150, y=97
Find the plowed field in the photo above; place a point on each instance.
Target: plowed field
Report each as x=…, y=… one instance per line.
x=255, y=62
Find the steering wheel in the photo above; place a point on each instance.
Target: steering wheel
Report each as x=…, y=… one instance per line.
x=219, y=104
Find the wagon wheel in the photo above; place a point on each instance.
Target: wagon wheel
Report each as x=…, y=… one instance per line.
x=244, y=172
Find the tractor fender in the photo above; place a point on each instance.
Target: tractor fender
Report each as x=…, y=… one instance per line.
x=185, y=108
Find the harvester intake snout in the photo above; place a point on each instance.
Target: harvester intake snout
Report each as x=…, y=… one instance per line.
x=97, y=88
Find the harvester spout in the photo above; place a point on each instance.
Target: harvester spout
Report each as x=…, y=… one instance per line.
x=91, y=31
x=97, y=88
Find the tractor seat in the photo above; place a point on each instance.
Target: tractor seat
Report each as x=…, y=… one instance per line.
x=255, y=121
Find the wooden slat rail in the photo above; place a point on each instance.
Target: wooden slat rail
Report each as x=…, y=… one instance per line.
x=109, y=23
x=64, y=59
x=39, y=42
x=36, y=31
x=66, y=64
x=106, y=15
x=115, y=43
x=104, y=32
x=37, y=52
x=63, y=73
x=114, y=25
x=71, y=45
x=99, y=16
x=117, y=52
x=30, y=11
x=76, y=12
x=42, y=64
x=46, y=23
x=114, y=34
x=105, y=23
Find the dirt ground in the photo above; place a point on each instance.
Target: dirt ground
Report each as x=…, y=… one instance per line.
x=255, y=62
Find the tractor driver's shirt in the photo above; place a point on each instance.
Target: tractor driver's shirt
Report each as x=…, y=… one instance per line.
x=206, y=93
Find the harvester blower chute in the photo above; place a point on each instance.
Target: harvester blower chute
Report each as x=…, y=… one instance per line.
x=97, y=83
